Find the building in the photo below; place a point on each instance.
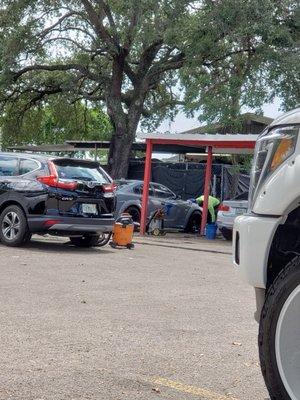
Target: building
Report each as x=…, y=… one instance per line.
x=250, y=124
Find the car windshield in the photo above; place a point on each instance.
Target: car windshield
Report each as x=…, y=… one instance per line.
x=163, y=192
x=83, y=172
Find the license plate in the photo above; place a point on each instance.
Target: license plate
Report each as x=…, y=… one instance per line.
x=240, y=211
x=89, y=209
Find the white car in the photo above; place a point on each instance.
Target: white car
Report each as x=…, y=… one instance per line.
x=228, y=211
x=266, y=250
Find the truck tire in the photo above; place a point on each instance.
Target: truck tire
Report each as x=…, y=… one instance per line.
x=279, y=335
x=14, y=229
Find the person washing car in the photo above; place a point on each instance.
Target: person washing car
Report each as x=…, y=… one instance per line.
x=213, y=204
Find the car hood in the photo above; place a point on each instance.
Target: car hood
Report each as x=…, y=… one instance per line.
x=179, y=202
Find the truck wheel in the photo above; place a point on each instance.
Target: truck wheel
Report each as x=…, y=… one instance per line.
x=13, y=227
x=85, y=241
x=279, y=335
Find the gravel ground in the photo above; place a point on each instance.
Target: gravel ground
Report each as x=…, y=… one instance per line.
x=168, y=320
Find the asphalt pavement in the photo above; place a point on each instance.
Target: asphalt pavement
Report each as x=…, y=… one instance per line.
x=169, y=320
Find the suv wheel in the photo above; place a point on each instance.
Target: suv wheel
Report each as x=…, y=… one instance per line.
x=13, y=227
x=85, y=241
x=279, y=335
x=104, y=239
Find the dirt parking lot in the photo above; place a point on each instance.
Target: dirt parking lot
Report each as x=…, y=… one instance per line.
x=169, y=320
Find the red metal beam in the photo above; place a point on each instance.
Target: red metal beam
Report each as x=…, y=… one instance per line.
x=209, y=144
x=206, y=189
x=225, y=144
x=147, y=177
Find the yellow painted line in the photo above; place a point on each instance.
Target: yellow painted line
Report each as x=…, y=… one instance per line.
x=205, y=394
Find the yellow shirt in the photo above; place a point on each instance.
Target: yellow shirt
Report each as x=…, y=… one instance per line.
x=212, y=203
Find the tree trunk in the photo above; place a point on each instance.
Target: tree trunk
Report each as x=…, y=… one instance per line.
x=125, y=127
x=125, y=123
x=119, y=154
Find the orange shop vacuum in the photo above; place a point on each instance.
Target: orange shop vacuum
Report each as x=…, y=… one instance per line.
x=123, y=232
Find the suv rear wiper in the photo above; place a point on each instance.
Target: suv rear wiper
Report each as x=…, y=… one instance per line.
x=82, y=178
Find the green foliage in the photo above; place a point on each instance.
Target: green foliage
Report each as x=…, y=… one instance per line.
x=143, y=60
x=53, y=122
x=241, y=53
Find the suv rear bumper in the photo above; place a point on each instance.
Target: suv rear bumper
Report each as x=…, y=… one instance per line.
x=68, y=225
x=252, y=239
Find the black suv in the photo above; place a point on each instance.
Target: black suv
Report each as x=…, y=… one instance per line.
x=58, y=196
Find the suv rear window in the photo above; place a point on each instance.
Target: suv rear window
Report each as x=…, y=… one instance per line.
x=89, y=172
x=27, y=166
x=8, y=166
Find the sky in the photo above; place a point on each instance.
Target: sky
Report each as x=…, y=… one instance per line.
x=182, y=123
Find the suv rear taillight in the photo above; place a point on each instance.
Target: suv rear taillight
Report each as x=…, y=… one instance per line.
x=223, y=207
x=54, y=181
x=109, y=187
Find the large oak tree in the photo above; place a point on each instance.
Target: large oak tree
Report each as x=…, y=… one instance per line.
x=126, y=56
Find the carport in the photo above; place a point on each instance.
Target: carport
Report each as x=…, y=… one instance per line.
x=229, y=144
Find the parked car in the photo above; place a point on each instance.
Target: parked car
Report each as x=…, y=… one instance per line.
x=228, y=211
x=182, y=215
x=58, y=196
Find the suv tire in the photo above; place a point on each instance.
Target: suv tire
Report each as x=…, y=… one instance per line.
x=279, y=338
x=13, y=227
x=85, y=241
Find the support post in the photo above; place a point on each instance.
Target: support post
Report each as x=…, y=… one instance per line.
x=206, y=189
x=147, y=177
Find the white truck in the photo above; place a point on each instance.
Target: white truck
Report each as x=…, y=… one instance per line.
x=266, y=250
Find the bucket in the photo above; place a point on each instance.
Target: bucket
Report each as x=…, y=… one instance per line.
x=211, y=231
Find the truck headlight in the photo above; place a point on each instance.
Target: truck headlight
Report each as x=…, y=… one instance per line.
x=272, y=149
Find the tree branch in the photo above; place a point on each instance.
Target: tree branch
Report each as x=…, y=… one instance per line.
x=67, y=39
x=58, y=22
x=40, y=95
x=174, y=63
x=249, y=50
x=131, y=28
x=55, y=67
x=111, y=21
x=100, y=28
x=76, y=29
x=148, y=57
